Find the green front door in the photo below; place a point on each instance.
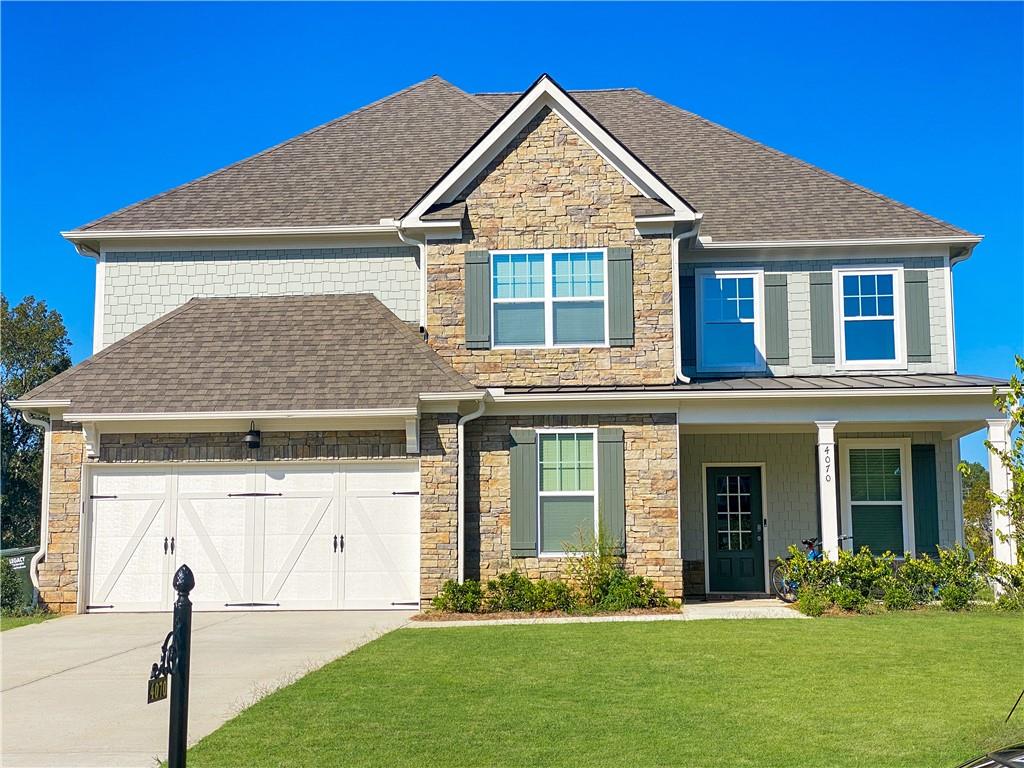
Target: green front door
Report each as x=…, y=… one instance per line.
x=735, y=530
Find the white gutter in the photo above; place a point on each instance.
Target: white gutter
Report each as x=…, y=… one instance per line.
x=952, y=240
x=460, y=528
x=677, y=321
x=44, y=514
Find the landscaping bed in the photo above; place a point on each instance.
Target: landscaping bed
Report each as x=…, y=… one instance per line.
x=443, y=616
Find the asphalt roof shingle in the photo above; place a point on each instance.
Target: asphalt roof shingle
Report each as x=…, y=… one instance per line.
x=378, y=161
x=265, y=353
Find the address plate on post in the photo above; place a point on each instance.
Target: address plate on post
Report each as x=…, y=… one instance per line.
x=157, y=689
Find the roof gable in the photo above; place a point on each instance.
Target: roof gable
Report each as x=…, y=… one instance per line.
x=545, y=93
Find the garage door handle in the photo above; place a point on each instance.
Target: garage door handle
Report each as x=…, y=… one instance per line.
x=235, y=495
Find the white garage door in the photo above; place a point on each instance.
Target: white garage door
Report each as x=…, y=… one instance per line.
x=262, y=537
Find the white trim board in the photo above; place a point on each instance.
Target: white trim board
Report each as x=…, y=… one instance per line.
x=545, y=92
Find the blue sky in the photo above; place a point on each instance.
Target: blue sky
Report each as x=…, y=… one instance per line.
x=106, y=104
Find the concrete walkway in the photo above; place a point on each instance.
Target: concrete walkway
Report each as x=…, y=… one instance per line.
x=768, y=608
x=74, y=689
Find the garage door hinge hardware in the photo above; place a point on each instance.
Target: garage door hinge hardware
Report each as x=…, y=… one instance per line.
x=405, y=493
x=254, y=493
x=102, y=497
x=249, y=605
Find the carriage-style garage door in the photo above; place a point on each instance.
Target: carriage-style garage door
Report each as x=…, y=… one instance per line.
x=257, y=537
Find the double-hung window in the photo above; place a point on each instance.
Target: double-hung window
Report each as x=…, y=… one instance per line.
x=870, y=317
x=731, y=320
x=877, y=510
x=567, y=475
x=549, y=299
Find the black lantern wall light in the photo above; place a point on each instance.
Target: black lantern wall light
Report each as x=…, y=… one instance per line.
x=251, y=439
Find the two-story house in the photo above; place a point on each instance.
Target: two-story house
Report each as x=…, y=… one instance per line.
x=449, y=334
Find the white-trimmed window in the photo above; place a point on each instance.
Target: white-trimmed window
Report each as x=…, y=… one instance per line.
x=869, y=311
x=567, y=488
x=730, y=307
x=877, y=495
x=552, y=298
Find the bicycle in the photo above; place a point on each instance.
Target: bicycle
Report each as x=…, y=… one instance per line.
x=787, y=589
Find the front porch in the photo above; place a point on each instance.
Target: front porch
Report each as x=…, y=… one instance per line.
x=748, y=492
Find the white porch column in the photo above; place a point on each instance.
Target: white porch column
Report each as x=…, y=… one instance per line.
x=999, y=482
x=827, y=469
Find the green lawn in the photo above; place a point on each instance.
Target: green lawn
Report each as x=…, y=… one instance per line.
x=13, y=622
x=916, y=689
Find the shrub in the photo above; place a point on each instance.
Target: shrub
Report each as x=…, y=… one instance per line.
x=865, y=573
x=958, y=578
x=622, y=592
x=555, y=595
x=847, y=598
x=921, y=576
x=10, y=588
x=813, y=601
x=592, y=565
x=511, y=591
x=459, y=598
x=807, y=573
x=1010, y=579
x=896, y=595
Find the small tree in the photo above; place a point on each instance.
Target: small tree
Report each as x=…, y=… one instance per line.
x=1011, y=405
x=977, y=510
x=35, y=348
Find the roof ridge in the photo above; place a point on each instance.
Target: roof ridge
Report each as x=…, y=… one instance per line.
x=472, y=97
x=119, y=344
x=267, y=151
x=804, y=163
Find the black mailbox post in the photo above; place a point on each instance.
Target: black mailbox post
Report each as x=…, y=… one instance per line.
x=175, y=659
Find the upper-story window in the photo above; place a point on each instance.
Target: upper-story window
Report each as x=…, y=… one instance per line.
x=870, y=317
x=549, y=299
x=731, y=305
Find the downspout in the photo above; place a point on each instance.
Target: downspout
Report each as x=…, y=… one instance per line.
x=677, y=344
x=44, y=516
x=460, y=529
x=422, y=245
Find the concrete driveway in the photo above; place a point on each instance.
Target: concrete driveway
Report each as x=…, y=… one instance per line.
x=74, y=689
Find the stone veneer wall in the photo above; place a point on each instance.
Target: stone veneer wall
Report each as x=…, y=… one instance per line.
x=550, y=189
x=58, y=574
x=438, y=502
x=652, y=525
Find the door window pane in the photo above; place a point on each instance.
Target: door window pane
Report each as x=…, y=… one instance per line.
x=735, y=521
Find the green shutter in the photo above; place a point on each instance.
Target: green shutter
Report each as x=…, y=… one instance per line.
x=478, y=300
x=688, y=319
x=776, y=318
x=523, y=501
x=611, y=492
x=823, y=340
x=620, y=297
x=926, y=499
x=919, y=331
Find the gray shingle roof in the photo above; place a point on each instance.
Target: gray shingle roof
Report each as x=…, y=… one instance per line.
x=259, y=354
x=378, y=161
x=789, y=383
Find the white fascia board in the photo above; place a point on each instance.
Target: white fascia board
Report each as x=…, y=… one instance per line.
x=546, y=93
x=78, y=235
x=952, y=240
x=353, y=413
x=473, y=395
x=35, y=405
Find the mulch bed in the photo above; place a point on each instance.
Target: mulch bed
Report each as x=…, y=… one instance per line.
x=438, y=616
